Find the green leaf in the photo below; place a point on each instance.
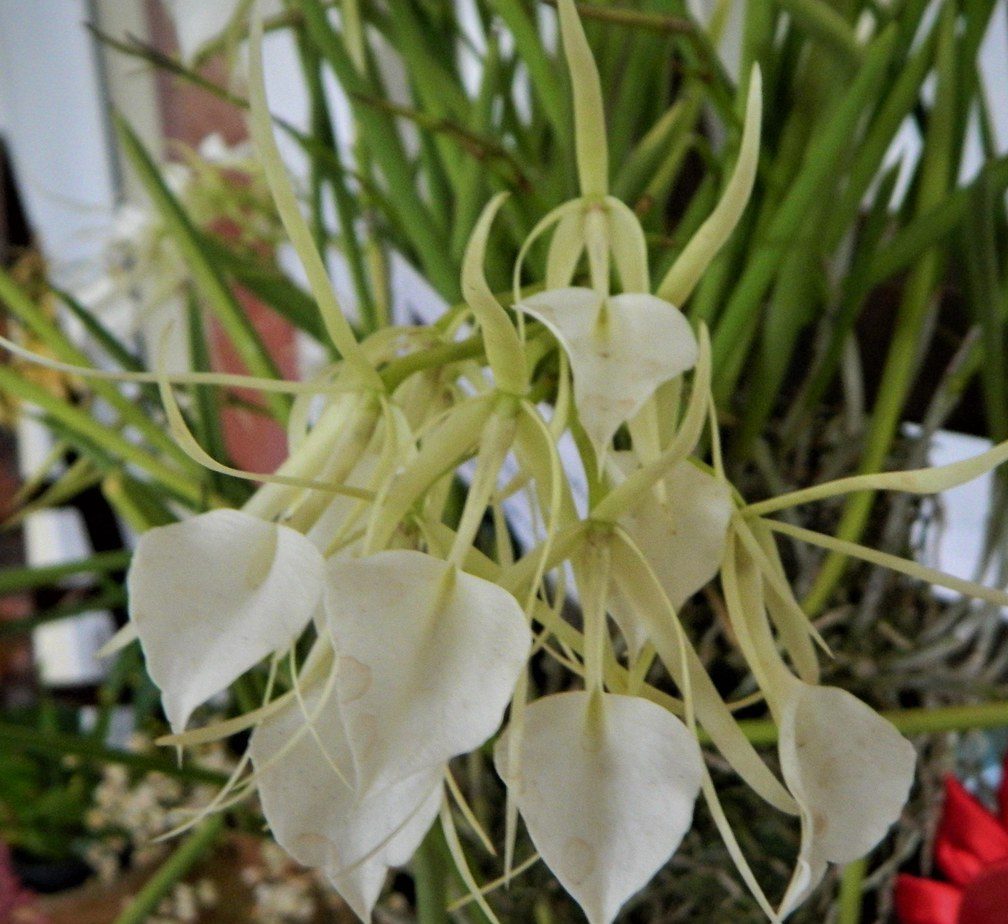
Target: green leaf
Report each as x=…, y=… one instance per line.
x=94, y=434
x=17, y=580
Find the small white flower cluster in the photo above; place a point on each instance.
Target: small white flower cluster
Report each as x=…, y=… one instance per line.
x=284, y=893
x=186, y=903
x=128, y=815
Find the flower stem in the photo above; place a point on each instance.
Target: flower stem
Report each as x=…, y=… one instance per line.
x=849, y=899
x=171, y=871
x=14, y=738
x=909, y=721
x=430, y=878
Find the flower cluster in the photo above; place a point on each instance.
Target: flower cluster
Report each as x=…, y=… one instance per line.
x=395, y=642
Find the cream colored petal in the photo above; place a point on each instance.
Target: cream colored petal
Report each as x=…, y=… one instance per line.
x=606, y=789
x=361, y=888
x=683, y=536
x=620, y=350
x=589, y=113
x=431, y=657
x=629, y=247
x=212, y=596
x=315, y=815
x=850, y=771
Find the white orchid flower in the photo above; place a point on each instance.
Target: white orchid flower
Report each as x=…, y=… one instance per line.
x=622, y=347
x=418, y=654
x=303, y=761
x=849, y=770
x=425, y=662
x=427, y=659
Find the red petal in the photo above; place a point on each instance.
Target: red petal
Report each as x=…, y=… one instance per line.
x=925, y=901
x=959, y=865
x=985, y=900
x=969, y=837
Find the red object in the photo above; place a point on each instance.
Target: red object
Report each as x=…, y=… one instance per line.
x=971, y=850
x=14, y=898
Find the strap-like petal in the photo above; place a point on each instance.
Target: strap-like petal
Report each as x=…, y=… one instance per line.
x=606, y=788
x=213, y=595
x=429, y=657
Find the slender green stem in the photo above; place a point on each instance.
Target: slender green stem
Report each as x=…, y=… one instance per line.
x=13, y=580
x=57, y=744
x=824, y=24
x=909, y=721
x=849, y=899
x=430, y=878
x=109, y=598
x=172, y=871
x=918, y=302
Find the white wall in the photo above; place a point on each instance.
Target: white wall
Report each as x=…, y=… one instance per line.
x=51, y=105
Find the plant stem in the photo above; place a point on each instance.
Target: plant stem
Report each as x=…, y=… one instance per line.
x=13, y=580
x=909, y=721
x=849, y=899
x=919, y=300
x=22, y=737
x=173, y=869
x=430, y=878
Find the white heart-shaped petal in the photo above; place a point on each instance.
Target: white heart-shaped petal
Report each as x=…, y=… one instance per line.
x=429, y=657
x=212, y=596
x=621, y=349
x=683, y=536
x=850, y=771
x=606, y=788
x=319, y=819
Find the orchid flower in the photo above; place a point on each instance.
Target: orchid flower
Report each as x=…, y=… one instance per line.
x=622, y=347
x=850, y=788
